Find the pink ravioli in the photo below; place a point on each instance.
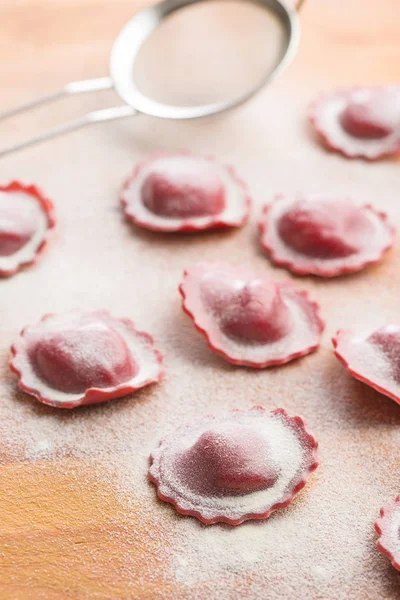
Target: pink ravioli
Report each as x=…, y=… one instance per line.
x=234, y=468
x=247, y=318
x=388, y=529
x=314, y=234
x=80, y=358
x=374, y=358
x=26, y=217
x=359, y=122
x=184, y=192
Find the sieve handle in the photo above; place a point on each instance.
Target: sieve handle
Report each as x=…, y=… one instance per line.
x=107, y=114
x=74, y=87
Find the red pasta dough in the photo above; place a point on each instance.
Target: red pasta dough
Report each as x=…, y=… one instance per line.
x=247, y=318
x=83, y=358
x=184, y=192
x=321, y=235
x=388, y=529
x=234, y=468
x=359, y=122
x=374, y=359
x=26, y=217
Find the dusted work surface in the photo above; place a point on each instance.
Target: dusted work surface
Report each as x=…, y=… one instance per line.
x=78, y=517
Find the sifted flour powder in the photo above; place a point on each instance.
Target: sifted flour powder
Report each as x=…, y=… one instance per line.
x=322, y=544
x=111, y=526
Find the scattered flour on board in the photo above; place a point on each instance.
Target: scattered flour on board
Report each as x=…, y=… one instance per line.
x=321, y=547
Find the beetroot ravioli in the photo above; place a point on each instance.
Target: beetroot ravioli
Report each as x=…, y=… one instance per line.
x=359, y=122
x=83, y=358
x=388, y=529
x=321, y=235
x=247, y=318
x=238, y=467
x=26, y=216
x=184, y=192
x=374, y=359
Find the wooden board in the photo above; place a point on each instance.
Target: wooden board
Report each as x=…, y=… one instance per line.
x=77, y=516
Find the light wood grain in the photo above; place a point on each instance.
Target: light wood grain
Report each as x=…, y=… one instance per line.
x=71, y=525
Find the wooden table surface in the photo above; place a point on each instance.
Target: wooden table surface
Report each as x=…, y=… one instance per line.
x=77, y=517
